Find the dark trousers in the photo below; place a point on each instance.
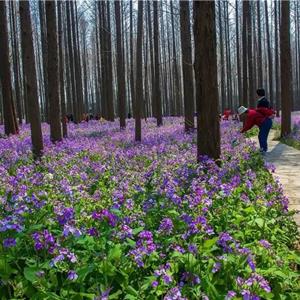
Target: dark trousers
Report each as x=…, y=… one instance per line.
x=264, y=130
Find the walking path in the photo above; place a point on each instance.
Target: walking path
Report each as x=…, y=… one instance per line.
x=287, y=163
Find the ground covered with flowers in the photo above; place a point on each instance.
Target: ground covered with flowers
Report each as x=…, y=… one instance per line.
x=103, y=217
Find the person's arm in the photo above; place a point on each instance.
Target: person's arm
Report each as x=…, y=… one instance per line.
x=248, y=124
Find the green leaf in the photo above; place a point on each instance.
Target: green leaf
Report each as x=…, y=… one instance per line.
x=115, y=253
x=137, y=230
x=260, y=222
x=209, y=243
x=30, y=273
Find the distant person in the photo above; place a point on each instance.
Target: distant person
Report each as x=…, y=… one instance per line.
x=226, y=114
x=259, y=117
x=262, y=101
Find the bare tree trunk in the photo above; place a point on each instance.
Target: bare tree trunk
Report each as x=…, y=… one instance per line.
x=245, y=52
x=45, y=57
x=109, y=68
x=222, y=79
x=61, y=70
x=154, y=113
x=31, y=82
x=157, y=91
x=277, y=59
x=54, y=104
x=286, y=67
x=175, y=68
x=259, y=58
x=251, y=94
x=270, y=63
x=10, y=122
x=16, y=64
x=139, y=73
x=120, y=67
x=187, y=65
x=238, y=60
x=208, y=127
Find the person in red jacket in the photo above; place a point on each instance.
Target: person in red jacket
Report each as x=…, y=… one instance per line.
x=262, y=119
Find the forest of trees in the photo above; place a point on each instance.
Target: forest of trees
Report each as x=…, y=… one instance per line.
x=116, y=59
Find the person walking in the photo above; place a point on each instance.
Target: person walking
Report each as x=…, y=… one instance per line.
x=260, y=117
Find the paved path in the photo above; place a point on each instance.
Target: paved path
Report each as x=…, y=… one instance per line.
x=287, y=162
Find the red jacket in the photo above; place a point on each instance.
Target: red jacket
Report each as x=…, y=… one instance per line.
x=268, y=112
x=254, y=117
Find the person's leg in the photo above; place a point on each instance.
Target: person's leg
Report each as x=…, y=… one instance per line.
x=264, y=132
x=260, y=138
x=267, y=130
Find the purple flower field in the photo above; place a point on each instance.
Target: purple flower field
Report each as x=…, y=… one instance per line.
x=103, y=217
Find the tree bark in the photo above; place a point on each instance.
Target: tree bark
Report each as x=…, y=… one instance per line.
x=187, y=65
x=208, y=127
x=157, y=91
x=286, y=67
x=245, y=52
x=139, y=73
x=52, y=68
x=31, y=82
x=10, y=122
x=61, y=70
x=120, y=68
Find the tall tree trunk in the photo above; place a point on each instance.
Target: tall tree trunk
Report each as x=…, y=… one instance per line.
x=238, y=60
x=109, y=68
x=16, y=64
x=251, y=95
x=45, y=57
x=54, y=103
x=61, y=70
x=132, y=86
x=175, y=68
x=139, y=73
x=31, y=82
x=222, y=75
x=72, y=62
x=120, y=68
x=270, y=63
x=157, y=91
x=286, y=67
x=208, y=127
x=259, y=58
x=10, y=122
x=187, y=65
x=152, y=71
x=277, y=60
x=245, y=52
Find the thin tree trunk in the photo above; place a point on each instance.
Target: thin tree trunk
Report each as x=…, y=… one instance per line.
x=61, y=70
x=157, y=91
x=259, y=58
x=139, y=73
x=286, y=67
x=120, y=68
x=270, y=63
x=245, y=52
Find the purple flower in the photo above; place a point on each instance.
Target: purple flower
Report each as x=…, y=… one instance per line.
x=230, y=295
x=167, y=279
x=154, y=284
x=193, y=249
x=72, y=275
x=265, y=244
x=251, y=263
x=166, y=226
x=216, y=267
x=9, y=242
